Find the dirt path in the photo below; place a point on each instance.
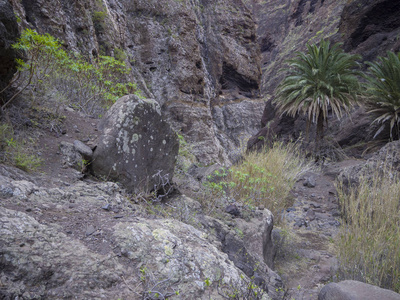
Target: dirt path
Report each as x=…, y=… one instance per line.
x=307, y=259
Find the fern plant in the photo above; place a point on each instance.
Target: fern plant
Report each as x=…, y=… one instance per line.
x=383, y=92
x=323, y=78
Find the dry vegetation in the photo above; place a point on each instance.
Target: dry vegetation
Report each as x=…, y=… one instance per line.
x=261, y=179
x=369, y=242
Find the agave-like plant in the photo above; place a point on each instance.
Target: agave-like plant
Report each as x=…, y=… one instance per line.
x=321, y=79
x=383, y=92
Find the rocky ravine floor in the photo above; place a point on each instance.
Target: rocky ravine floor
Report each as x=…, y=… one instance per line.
x=88, y=211
x=307, y=261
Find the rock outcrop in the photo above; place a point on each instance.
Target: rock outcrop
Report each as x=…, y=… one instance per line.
x=371, y=28
x=136, y=146
x=355, y=290
x=8, y=36
x=198, y=59
x=88, y=239
x=387, y=159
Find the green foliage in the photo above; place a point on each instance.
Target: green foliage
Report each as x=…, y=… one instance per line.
x=369, y=239
x=383, y=91
x=119, y=54
x=17, y=152
x=321, y=79
x=88, y=84
x=26, y=161
x=98, y=19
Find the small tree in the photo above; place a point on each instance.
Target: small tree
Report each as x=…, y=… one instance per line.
x=42, y=54
x=383, y=92
x=321, y=79
x=100, y=81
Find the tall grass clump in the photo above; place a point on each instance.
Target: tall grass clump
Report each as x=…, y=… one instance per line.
x=262, y=179
x=369, y=240
x=266, y=178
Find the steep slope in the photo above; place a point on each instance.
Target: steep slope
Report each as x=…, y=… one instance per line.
x=198, y=59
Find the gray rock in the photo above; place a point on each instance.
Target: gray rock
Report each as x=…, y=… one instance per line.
x=42, y=261
x=233, y=210
x=90, y=230
x=309, y=182
x=249, y=245
x=387, y=157
x=70, y=156
x=355, y=290
x=136, y=147
x=202, y=173
x=83, y=149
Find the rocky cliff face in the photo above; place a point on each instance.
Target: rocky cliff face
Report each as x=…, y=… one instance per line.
x=8, y=35
x=369, y=28
x=199, y=59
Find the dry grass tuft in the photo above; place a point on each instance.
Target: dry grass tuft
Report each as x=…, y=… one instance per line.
x=369, y=241
x=260, y=179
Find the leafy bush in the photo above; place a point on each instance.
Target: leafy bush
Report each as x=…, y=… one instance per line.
x=383, y=91
x=98, y=19
x=369, y=239
x=91, y=86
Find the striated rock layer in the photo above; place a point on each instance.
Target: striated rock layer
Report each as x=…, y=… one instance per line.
x=199, y=59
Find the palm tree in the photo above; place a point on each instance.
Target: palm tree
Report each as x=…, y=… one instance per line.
x=383, y=92
x=321, y=79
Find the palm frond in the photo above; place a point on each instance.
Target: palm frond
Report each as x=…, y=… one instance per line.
x=383, y=90
x=322, y=78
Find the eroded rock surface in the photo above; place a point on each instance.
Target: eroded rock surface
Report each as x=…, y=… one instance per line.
x=387, y=159
x=136, y=147
x=87, y=239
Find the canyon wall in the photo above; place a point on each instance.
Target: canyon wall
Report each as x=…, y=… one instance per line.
x=199, y=59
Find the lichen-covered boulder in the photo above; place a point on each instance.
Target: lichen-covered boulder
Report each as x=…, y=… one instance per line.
x=136, y=146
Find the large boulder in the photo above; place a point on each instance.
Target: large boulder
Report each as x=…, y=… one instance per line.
x=136, y=146
x=8, y=36
x=355, y=290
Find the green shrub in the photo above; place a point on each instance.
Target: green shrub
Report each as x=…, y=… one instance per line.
x=369, y=239
x=89, y=85
x=119, y=54
x=15, y=152
x=26, y=161
x=98, y=19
